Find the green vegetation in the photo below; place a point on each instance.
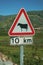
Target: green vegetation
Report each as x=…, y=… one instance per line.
x=36, y=18
x=33, y=54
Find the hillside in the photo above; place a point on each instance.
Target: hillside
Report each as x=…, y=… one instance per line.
x=33, y=54
x=36, y=18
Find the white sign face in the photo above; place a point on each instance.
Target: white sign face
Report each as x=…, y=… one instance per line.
x=21, y=40
x=19, y=26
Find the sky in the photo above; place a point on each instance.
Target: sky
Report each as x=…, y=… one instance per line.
x=9, y=7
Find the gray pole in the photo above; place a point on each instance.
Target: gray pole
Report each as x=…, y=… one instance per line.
x=21, y=55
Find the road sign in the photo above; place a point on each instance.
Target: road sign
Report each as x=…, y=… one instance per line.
x=21, y=40
x=22, y=25
x=21, y=32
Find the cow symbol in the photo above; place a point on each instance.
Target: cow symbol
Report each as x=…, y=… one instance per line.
x=23, y=26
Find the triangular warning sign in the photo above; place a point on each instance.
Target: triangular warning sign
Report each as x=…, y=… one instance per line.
x=21, y=25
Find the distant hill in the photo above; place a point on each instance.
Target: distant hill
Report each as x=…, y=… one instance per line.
x=36, y=18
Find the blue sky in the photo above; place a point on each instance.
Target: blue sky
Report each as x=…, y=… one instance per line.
x=8, y=7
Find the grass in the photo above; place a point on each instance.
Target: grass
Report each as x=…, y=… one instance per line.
x=30, y=51
x=14, y=53
x=4, y=40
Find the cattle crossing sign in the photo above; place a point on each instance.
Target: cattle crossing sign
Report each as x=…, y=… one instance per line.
x=21, y=32
x=22, y=25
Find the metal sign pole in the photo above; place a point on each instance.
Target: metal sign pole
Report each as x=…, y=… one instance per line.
x=21, y=55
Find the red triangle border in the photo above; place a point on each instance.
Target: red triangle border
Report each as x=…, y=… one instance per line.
x=10, y=33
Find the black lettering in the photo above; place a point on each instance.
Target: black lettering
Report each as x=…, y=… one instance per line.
x=12, y=40
x=29, y=40
x=24, y=40
x=17, y=40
